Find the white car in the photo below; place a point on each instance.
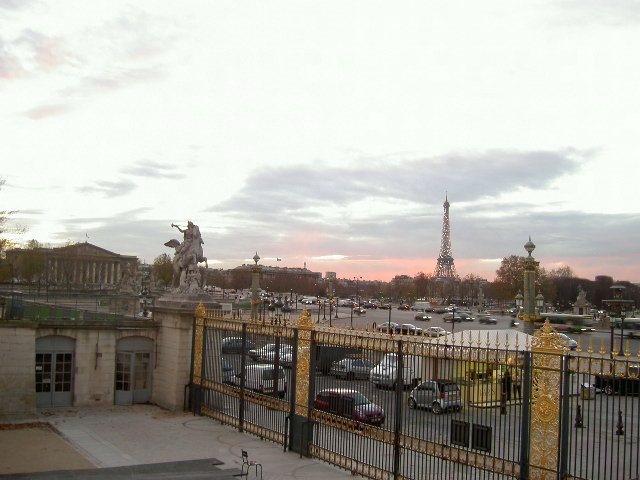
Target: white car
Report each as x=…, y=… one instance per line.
x=435, y=332
x=270, y=356
x=568, y=341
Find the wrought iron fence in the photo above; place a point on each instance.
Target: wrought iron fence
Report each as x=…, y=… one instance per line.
x=43, y=304
x=501, y=405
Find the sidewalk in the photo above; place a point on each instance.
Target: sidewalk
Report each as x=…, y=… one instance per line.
x=121, y=436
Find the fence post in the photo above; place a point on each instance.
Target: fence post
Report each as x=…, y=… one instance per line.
x=301, y=434
x=525, y=419
x=243, y=375
x=197, y=359
x=546, y=350
x=398, y=423
x=565, y=418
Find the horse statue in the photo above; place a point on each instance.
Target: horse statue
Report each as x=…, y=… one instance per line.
x=188, y=254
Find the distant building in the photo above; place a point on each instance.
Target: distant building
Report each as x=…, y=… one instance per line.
x=330, y=275
x=77, y=266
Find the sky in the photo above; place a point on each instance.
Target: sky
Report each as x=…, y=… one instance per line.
x=327, y=134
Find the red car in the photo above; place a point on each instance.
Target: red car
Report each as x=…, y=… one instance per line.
x=404, y=306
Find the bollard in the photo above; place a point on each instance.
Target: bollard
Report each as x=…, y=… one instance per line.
x=578, y=422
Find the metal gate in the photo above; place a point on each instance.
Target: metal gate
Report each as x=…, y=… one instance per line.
x=493, y=405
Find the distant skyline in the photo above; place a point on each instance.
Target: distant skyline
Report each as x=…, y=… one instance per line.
x=327, y=132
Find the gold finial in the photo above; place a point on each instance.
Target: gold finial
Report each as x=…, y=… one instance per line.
x=590, y=350
x=602, y=349
x=627, y=350
x=200, y=311
x=578, y=347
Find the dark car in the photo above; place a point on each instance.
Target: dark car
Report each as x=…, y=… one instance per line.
x=487, y=319
x=628, y=384
x=350, y=404
x=440, y=309
x=388, y=327
x=423, y=317
x=234, y=345
x=409, y=329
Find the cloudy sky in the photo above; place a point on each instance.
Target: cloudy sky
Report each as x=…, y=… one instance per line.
x=328, y=132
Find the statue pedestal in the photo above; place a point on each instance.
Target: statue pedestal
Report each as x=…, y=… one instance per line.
x=175, y=313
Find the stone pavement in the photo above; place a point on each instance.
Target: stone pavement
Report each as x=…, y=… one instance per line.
x=132, y=441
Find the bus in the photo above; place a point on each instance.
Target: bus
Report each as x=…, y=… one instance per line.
x=569, y=322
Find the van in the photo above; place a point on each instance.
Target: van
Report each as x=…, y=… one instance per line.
x=422, y=307
x=262, y=379
x=385, y=374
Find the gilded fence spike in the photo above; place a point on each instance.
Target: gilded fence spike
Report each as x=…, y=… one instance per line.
x=506, y=341
x=602, y=349
x=615, y=347
x=627, y=349
x=590, y=350
x=478, y=341
x=497, y=341
x=488, y=342
x=579, y=347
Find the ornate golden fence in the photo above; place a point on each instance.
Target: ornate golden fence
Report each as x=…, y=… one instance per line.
x=529, y=408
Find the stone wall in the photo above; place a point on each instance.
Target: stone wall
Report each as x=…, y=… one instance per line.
x=17, y=367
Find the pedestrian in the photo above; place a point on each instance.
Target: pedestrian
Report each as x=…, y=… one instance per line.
x=506, y=384
x=517, y=386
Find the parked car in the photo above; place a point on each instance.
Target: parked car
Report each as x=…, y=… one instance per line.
x=423, y=317
x=437, y=395
x=359, y=310
x=435, y=332
x=486, y=319
x=440, y=309
x=404, y=306
x=270, y=356
x=350, y=404
x=409, y=329
x=352, y=368
x=228, y=375
x=262, y=379
x=254, y=353
x=628, y=384
x=388, y=327
x=234, y=345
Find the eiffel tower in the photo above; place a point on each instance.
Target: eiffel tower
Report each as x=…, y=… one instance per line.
x=445, y=269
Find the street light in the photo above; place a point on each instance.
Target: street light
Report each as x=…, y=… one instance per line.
x=539, y=304
x=519, y=300
x=618, y=307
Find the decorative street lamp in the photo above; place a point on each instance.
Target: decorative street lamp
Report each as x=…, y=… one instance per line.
x=539, y=305
x=618, y=308
x=519, y=301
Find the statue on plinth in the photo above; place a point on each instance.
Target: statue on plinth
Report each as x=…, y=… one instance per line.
x=187, y=277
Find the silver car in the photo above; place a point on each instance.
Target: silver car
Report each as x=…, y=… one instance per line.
x=437, y=395
x=352, y=368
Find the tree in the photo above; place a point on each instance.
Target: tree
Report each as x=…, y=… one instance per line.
x=6, y=243
x=561, y=272
x=510, y=279
x=163, y=270
x=32, y=262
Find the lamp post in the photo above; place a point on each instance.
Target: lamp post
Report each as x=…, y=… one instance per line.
x=519, y=300
x=453, y=318
x=539, y=304
x=357, y=289
x=389, y=324
x=618, y=307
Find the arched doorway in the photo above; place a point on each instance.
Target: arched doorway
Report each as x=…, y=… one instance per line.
x=54, y=371
x=133, y=370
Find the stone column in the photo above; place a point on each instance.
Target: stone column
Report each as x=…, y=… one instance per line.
x=175, y=314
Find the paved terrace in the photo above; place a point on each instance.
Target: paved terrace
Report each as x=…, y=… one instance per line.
x=141, y=442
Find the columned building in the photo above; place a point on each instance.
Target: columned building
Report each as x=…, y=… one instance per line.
x=81, y=265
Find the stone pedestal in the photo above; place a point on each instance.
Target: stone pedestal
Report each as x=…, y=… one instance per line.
x=175, y=314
